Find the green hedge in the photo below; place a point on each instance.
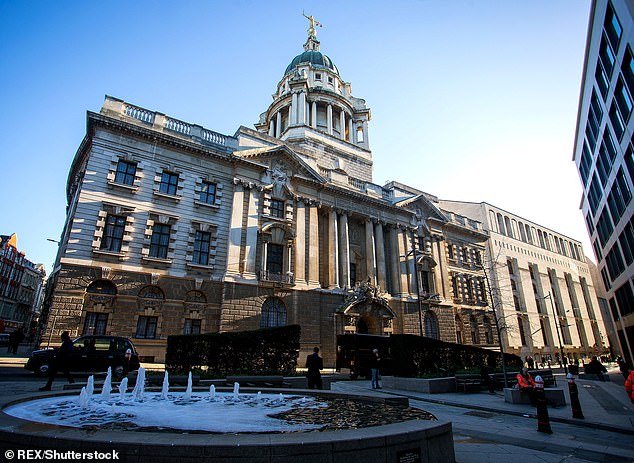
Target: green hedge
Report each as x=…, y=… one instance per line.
x=414, y=356
x=261, y=352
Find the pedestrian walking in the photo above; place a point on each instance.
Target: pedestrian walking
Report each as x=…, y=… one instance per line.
x=543, y=420
x=60, y=362
x=314, y=365
x=375, y=362
x=15, y=338
x=575, y=405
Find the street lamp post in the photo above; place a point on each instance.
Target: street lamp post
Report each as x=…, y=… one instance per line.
x=420, y=303
x=557, y=329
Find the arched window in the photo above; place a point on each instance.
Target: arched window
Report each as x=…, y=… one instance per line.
x=431, y=325
x=475, y=333
x=195, y=296
x=273, y=313
x=151, y=292
x=102, y=287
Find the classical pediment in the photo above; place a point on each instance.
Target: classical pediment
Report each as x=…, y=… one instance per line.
x=283, y=164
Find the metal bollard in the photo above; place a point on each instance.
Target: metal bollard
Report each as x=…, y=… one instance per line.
x=574, y=398
x=543, y=420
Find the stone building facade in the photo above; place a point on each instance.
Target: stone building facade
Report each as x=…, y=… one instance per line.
x=173, y=228
x=542, y=286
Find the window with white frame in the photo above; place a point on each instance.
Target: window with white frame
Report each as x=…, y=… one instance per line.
x=169, y=183
x=125, y=173
x=113, y=231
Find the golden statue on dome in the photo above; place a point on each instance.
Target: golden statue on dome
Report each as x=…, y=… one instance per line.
x=313, y=22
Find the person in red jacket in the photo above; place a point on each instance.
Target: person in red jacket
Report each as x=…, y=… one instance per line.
x=526, y=384
x=629, y=386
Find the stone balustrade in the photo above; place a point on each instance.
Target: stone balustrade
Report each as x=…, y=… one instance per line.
x=160, y=122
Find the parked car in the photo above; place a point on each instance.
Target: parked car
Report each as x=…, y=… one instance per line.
x=91, y=353
x=4, y=339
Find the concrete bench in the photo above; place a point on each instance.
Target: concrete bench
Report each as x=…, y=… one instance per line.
x=554, y=396
x=466, y=383
x=256, y=381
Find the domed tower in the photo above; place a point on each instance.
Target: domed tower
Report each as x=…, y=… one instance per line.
x=314, y=108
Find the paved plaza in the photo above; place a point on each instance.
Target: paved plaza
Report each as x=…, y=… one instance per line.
x=489, y=430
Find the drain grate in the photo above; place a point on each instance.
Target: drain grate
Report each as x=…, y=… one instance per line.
x=480, y=414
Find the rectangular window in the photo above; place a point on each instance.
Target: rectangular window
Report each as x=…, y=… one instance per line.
x=627, y=68
x=612, y=27
x=208, y=193
x=113, y=233
x=617, y=120
x=604, y=226
x=602, y=80
x=595, y=114
x=625, y=299
x=169, y=183
x=606, y=57
x=594, y=194
x=597, y=249
x=192, y=326
x=125, y=173
x=614, y=262
x=275, y=258
x=626, y=240
x=629, y=161
x=277, y=208
x=159, y=244
x=146, y=327
x=589, y=224
x=95, y=323
x=202, y=242
x=623, y=99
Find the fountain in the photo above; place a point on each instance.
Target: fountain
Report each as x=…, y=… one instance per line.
x=248, y=425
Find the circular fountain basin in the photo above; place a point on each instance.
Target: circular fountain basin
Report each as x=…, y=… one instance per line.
x=257, y=441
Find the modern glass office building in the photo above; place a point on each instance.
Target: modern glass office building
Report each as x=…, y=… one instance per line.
x=604, y=156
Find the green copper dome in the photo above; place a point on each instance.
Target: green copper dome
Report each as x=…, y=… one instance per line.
x=315, y=58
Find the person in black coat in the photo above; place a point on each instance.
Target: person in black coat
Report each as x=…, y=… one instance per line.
x=595, y=368
x=60, y=362
x=314, y=364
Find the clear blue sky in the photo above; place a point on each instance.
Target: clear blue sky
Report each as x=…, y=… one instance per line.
x=471, y=100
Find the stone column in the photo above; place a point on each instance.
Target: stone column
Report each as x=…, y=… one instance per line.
x=301, y=109
x=351, y=132
x=344, y=252
x=404, y=261
x=370, y=261
x=292, y=115
x=366, y=138
x=379, y=243
x=333, y=246
x=278, y=124
x=252, y=233
x=342, y=124
x=313, y=246
x=300, y=243
x=272, y=128
x=313, y=122
x=235, y=231
x=394, y=261
x=329, y=114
